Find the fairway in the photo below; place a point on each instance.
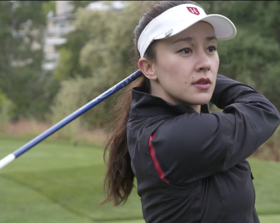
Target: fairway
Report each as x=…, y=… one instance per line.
x=56, y=182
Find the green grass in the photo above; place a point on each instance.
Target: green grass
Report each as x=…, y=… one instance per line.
x=56, y=182
x=267, y=185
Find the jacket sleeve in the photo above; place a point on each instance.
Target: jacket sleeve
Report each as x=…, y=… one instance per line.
x=193, y=146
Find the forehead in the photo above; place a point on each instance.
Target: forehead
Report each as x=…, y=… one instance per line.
x=199, y=31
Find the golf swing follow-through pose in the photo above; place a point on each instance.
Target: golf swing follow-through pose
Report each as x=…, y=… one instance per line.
x=190, y=165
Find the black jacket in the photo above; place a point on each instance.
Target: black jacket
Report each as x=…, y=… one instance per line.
x=191, y=167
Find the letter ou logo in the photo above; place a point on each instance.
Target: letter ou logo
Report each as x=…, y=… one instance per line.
x=193, y=10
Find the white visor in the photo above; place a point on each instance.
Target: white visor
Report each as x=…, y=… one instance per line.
x=179, y=18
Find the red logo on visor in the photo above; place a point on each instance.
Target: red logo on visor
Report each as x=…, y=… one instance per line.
x=193, y=10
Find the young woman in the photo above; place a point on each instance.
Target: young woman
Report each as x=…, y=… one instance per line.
x=190, y=165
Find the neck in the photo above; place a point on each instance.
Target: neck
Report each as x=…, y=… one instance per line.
x=161, y=94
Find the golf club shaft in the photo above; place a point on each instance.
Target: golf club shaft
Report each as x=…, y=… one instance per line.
x=6, y=160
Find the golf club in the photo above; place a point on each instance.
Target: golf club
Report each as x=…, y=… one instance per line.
x=9, y=158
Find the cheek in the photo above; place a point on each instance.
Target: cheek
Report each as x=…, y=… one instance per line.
x=168, y=69
x=216, y=62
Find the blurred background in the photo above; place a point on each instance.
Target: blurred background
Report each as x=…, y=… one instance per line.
x=55, y=56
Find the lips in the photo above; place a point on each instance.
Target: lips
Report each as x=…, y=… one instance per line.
x=203, y=84
x=203, y=81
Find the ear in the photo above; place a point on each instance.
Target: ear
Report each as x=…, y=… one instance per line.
x=148, y=68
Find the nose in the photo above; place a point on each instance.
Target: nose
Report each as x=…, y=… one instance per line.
x=203, y=62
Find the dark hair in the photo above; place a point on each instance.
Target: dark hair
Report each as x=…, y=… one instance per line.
x=119, y=177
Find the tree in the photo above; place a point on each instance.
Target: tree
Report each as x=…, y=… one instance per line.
x=21, y=55
x=68, y=65
x=105, y=54
x=48, y=6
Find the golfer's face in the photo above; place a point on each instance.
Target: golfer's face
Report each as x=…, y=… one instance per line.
x=186, y=66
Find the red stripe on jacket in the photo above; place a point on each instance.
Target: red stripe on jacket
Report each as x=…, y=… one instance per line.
x=155, y=160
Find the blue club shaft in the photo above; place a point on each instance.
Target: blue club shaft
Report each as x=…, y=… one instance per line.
x=6, y=160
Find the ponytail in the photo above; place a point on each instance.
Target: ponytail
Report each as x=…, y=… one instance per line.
x=119, y=176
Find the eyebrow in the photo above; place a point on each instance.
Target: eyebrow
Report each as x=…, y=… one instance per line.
x=211, y=38
x=189, y=39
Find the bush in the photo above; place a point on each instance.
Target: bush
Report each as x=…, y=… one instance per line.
x=75, y=93
x=6, y=110
x=270, y=150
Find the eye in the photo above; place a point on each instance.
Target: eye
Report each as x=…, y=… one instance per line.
x=212, y=49
x=185, y=51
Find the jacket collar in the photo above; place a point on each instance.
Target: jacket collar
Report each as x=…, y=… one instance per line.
x=145, y=104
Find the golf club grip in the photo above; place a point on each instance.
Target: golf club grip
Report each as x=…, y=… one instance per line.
x=68, y=119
